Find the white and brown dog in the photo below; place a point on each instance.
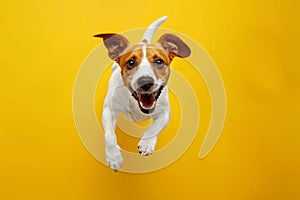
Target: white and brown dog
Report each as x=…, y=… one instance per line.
x=138, y=86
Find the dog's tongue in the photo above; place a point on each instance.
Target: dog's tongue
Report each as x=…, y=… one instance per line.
x=147, y=101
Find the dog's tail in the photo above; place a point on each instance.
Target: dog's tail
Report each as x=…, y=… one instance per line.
x=147, y=38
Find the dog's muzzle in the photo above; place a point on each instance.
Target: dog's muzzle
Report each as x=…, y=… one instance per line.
x=145, y=95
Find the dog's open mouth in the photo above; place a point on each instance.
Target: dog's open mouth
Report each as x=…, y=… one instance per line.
x=147, y=100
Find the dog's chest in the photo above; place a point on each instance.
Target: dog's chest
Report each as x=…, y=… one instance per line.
x=133, y=112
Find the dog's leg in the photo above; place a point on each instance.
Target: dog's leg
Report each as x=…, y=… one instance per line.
x=113, y=151
x=147, y=143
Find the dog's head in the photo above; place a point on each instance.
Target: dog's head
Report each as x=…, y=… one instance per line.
x=145, y=68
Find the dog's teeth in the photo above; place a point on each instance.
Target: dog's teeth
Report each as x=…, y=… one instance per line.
x=141, y=103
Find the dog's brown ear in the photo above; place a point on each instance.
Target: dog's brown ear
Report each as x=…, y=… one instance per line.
x=114, y=43
x=174, y=45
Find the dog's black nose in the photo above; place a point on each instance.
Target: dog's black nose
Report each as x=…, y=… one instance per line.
x=145, y=83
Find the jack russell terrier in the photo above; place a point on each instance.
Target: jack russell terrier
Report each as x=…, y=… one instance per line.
x=138, y=86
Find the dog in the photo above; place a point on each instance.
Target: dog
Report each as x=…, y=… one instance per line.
x=138, y=86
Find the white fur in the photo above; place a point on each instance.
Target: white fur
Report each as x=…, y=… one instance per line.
x=119, y=99
x=144, y=69
x=152, y=29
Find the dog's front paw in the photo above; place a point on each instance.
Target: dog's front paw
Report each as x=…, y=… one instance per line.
x=113, y=157
x=146, y=146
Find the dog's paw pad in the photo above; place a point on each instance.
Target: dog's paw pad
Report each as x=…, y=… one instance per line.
x=114, y=158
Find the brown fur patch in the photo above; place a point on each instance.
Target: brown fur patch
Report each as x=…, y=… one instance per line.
x=135, y=53
x=154, y=52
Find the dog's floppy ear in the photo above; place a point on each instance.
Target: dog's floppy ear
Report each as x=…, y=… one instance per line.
x=114, y=43
x=174, y=45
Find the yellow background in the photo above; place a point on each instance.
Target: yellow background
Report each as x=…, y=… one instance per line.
x=256, y=47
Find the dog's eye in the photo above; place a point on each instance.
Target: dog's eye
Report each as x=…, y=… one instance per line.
x=159, y=63
x=130, y=63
